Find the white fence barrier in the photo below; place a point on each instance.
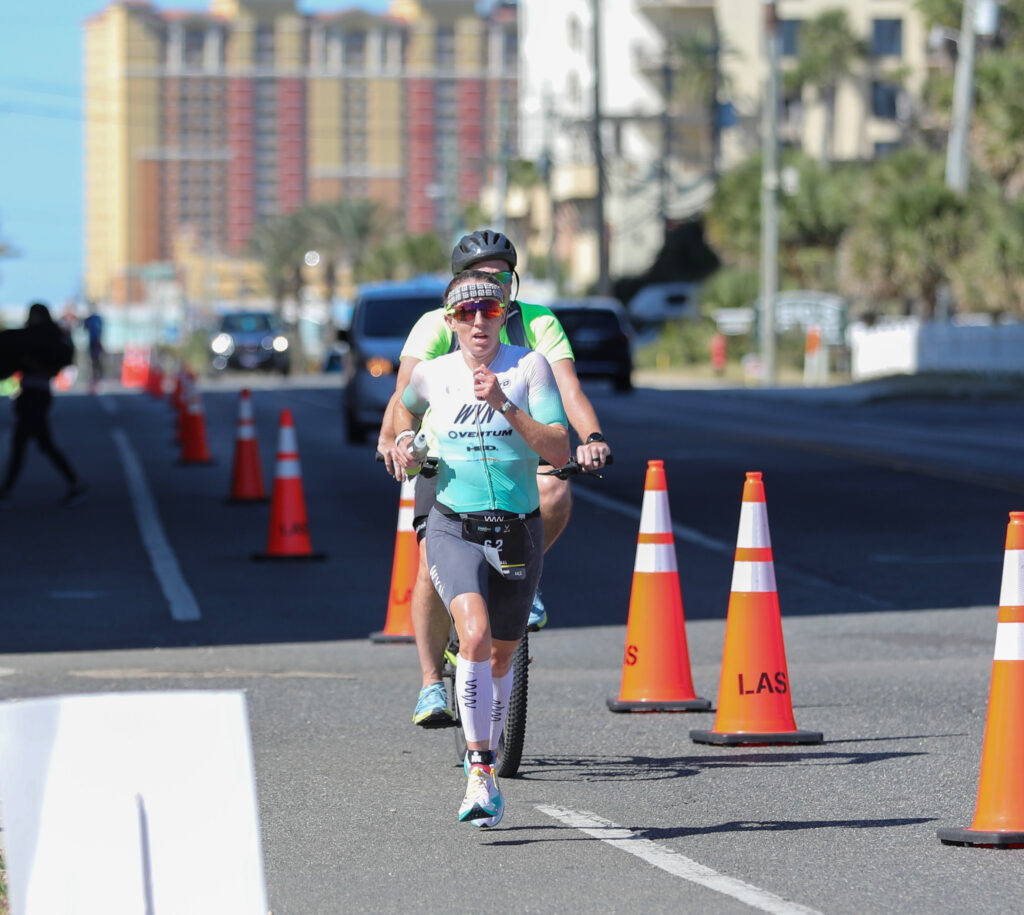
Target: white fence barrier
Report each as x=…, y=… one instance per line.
x=911, y=346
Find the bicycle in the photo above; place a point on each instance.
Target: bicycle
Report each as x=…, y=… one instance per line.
x=513, y=737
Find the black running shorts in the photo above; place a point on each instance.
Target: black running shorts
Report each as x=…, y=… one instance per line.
x=457, y=567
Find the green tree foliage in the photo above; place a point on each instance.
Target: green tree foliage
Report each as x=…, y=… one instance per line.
x=812, y=219
x=342, y=230
x=909, y=232
x=280, y=243
x=829, y=50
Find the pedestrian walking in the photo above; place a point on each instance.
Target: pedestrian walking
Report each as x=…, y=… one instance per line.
x=94, y=328
x=41, y=349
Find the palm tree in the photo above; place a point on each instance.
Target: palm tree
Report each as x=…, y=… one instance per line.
x=696, y=64
x=280, y=243
x=344, y=229
x=910, y=233
x=828, y=52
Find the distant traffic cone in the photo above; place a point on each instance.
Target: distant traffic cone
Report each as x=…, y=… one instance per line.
x=754, y=705
x=398, y=624
x=246, y=475
x=288, y=535
x=194, y=446
x=182, y=396
x=999, y=813
x=656, y=668
x=176, y=392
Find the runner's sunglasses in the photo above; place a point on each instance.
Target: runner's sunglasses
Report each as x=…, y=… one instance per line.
x=465, y=312
x=502, y=276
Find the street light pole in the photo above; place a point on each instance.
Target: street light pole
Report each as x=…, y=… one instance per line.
x=769, y=194
x=603, y=282
x=958, y=159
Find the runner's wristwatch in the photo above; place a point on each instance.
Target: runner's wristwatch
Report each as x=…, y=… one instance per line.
x=594, y=437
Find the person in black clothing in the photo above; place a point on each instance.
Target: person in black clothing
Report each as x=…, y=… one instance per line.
x=42, y=349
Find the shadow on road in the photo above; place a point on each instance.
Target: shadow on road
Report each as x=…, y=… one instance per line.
x=650, y=768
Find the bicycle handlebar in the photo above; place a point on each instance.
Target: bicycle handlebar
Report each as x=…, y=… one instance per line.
x=573, y=469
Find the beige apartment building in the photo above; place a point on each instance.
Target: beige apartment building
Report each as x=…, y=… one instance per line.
x=660, y=151
x=874, y=106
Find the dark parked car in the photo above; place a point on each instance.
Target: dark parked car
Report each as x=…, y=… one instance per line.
x=601, y=338
x=250, y=340
x=382, y=317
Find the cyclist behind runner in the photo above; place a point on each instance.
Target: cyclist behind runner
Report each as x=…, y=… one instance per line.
x=527, y=325
x=495, y=407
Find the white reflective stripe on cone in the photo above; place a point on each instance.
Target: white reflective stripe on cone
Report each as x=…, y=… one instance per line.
x=288, y=469
x=405, y=516
x=753, y=525
x=1009, y=642
x=245, y=409
x=753, y=577
x=286, y=441
x=655, y=557
x=245, y=433
x=1012, y=592
x=654, y=513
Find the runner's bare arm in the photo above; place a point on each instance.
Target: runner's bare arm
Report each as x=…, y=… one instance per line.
x=388, y=427
x=580, y=413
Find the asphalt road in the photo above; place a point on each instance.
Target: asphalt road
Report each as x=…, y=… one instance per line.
x=887, y=518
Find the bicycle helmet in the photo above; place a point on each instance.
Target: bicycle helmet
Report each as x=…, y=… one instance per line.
x=482, y=245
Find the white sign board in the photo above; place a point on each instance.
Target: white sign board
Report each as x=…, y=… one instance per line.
x=130, y=804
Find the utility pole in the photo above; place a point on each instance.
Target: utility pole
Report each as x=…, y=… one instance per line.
x=501, y=182
x=666, y=142
x=958, y=159
x=604, y=286
x=769, y=194
x=716, y=78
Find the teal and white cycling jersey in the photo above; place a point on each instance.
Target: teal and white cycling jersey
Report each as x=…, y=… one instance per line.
x=484, y=462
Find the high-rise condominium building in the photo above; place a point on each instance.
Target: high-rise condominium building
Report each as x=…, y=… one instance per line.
x=213, y=121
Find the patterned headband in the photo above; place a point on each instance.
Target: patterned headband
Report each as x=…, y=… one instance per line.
x=472, y=292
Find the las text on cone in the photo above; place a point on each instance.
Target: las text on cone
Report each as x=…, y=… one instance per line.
x=754, y=703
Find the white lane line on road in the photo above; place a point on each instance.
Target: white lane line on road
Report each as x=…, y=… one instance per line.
x=717, y=546
x=674, y=863
x=108, y=404
x=183, y=604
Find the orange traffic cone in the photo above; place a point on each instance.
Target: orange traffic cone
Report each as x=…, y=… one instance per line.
x=398, y=624
x=176, y=393
x=999, y=813
x=194, y=446
x=754, y=706
x=154, y=377
x=288, y=536
x=656, y=667
x=246, y=475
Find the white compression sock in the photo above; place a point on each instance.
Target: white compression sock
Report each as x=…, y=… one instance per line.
x=499, y=706
x=473, y=686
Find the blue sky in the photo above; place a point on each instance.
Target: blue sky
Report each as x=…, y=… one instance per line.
x=41, y=141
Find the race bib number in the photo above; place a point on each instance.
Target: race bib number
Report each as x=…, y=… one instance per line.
x=503, y=540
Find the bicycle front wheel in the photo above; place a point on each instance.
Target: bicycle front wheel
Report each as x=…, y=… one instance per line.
x=510, y=747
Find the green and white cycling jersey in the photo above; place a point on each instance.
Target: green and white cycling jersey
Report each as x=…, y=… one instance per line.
x=484, y=462
x=532, y=326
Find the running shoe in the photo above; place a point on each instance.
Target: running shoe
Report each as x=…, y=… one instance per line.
x=432, y=707
x=538, y=615
x=483, y=798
